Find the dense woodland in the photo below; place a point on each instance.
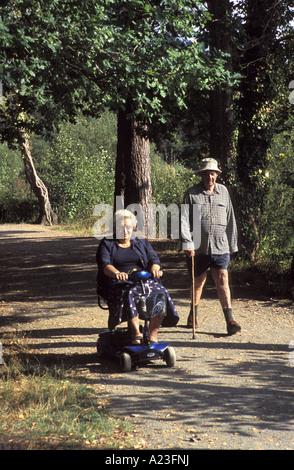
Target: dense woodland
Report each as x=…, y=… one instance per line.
x=104, y=98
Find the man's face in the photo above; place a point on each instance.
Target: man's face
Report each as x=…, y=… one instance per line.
x=208, y=179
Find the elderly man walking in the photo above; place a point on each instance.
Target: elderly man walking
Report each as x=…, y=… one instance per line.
x=218, y=239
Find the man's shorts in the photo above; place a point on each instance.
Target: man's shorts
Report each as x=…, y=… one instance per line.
x=203, y=262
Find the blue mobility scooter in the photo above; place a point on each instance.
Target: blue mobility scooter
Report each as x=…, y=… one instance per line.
x=117, y=343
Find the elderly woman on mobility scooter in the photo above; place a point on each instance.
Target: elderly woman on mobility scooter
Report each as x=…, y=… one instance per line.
x=116, y=259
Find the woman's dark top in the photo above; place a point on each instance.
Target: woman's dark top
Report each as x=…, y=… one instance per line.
x=127, y=259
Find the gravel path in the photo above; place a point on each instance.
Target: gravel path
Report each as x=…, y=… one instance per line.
x=225, y=392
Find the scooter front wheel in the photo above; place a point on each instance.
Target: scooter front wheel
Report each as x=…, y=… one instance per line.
x=170, y=357
x=125, y=362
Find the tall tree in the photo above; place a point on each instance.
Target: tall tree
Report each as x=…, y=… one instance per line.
x=261, y=59
x=154, y=55
x=221, y=96
x=163, y=59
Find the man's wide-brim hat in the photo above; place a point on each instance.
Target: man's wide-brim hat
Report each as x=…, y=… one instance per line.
x=208, y=164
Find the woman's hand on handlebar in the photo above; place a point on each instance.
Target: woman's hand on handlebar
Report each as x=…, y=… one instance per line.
x=113, y=272
x=120, y=276
x=156, y=272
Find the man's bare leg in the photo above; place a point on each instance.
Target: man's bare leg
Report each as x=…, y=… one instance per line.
x=221, y=279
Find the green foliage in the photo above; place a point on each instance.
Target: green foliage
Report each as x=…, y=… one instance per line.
x=78, y=166
x=156, y=53
x=58, y=57
x=16, y=201
x=169, y=182
x=265, y=216
x=277, y=220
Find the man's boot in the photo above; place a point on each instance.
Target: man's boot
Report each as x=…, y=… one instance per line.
x=232, y=326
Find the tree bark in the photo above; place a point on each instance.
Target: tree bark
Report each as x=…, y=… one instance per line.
x=133, y=168
x=46, y=214
x=221, y=112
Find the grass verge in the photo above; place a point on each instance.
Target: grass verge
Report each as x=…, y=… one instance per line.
x=49, y=408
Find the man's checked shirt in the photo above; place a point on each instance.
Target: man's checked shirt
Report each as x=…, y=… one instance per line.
x=218, y=224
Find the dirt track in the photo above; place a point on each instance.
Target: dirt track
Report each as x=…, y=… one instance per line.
x=224, y=393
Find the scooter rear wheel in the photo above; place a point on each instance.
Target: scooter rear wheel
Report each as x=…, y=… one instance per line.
x=125, y=362
x=99, y=347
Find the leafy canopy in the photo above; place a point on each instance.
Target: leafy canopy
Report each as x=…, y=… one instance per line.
x=57, y=57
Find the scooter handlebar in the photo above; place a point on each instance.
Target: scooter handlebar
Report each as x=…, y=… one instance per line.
x=137, y=276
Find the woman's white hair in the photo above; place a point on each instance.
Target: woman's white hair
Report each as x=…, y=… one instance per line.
x=125, y=214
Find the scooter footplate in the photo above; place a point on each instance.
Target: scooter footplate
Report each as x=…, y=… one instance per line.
x=145, y=352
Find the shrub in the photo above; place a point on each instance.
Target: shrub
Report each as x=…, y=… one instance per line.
x=17, y=203
x=169, y=182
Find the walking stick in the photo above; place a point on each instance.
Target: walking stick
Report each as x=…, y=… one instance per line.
x=193, y=297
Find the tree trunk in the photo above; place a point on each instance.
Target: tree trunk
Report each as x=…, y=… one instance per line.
x=133, y=168
x=221, y=113
x=46, y=214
